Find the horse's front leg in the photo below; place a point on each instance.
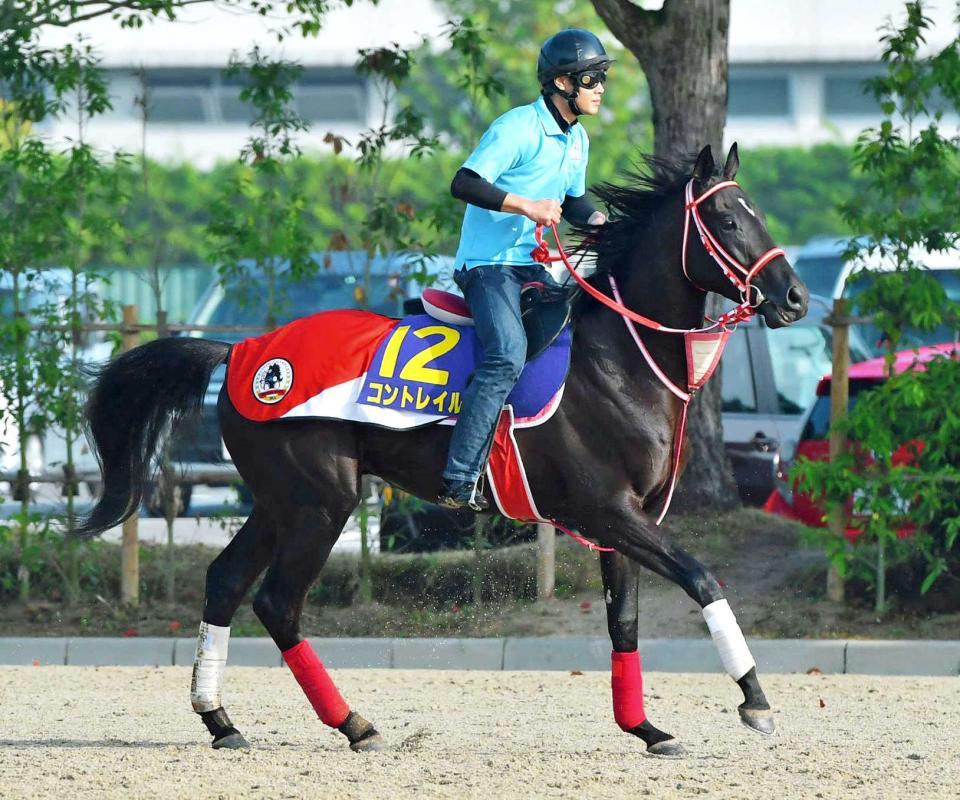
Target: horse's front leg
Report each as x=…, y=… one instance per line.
x=636, y=536
x=620, y=583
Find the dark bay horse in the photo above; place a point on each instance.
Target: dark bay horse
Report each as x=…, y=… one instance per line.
x=602, y=465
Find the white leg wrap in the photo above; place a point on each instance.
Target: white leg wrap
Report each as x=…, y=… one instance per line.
x=207, y=683
x=727, y=636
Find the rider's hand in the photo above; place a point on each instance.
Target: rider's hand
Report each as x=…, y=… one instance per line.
x=543, y=212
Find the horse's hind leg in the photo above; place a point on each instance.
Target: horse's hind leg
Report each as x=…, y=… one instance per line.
x=620, y=585
x=309, y=532
x=229, y=577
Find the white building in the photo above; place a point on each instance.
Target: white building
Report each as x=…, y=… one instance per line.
x=796, y=68
x=795, y=75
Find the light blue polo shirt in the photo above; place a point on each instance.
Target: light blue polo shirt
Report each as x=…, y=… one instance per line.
x=523, y=152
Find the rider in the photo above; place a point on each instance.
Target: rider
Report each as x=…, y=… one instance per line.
x=529, y=169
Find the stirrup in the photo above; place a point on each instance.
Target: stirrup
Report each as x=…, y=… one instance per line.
x=454, y=495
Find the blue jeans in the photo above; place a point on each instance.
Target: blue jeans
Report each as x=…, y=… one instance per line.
x=493, y=294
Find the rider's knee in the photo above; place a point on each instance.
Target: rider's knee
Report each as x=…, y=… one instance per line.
x=507, y=363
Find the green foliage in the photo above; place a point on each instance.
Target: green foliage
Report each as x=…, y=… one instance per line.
x=795, y=186
x=59, y=204
x=799, y=189
x=901, y=476
x=45, y=553
x=19, y=21
x=258, y=223
x=907, y=199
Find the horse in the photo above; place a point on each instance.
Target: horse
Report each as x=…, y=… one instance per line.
x=602, y=465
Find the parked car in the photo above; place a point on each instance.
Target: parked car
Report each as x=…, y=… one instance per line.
x=197, y=444
x=813, y=441
x=821, y=267
x=768, y=382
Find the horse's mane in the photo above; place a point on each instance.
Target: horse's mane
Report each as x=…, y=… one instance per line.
x=630, y=209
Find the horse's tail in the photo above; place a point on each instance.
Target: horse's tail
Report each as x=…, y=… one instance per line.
x=132, y=400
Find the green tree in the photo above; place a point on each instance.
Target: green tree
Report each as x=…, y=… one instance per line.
x=258, y=224
x=902, y=470
x=90, y=198
x=47, y=221
x=27, y=15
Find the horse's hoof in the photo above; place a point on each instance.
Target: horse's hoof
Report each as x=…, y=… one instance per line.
x=759, y=719
x=671, y=748
x=232, y=741
x=372, y=744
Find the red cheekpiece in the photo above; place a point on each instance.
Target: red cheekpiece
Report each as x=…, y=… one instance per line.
x=317, y=684
x=627, y=684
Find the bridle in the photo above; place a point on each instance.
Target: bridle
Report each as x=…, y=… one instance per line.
x=706, y=343
x=727, y=263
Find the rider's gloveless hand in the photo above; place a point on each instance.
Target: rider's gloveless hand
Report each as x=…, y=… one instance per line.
x=543, y=212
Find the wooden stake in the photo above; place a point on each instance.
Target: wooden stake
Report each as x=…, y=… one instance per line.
x=130, y=547
x=839, y=399
x=546, y=560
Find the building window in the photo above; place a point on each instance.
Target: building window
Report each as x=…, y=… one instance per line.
x=205, y=96
x=758, y=97
x=232, y=108
x=316, y=102
x=179, y=96
x=170, y=105
x=846, y=96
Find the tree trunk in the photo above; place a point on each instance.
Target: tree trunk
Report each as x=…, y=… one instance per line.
x=682, y=49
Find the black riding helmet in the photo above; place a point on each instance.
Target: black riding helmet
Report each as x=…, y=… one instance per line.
x=566, y=53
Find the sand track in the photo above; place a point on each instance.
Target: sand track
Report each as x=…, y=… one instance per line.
x=75, y=732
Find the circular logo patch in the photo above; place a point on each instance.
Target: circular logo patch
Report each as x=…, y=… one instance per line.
x=273, y=380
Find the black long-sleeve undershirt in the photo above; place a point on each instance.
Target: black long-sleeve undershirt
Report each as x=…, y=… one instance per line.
x=470, y=187
x=577, y=209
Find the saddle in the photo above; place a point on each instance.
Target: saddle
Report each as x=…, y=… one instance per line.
x=545, y=311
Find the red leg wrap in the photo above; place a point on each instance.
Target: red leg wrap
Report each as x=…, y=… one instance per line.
x=317, y=684
x=626, y=681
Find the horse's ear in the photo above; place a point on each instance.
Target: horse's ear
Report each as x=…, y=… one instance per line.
x=703, y=169
x=733, y=163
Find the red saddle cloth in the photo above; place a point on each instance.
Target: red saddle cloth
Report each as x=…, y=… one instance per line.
x=270, y=375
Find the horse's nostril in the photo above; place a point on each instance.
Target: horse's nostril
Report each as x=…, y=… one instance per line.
x=796, y=297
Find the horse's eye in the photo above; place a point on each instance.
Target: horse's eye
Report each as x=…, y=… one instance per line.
x=728, y=223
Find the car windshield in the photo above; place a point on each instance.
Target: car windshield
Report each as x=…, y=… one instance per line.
x=819, y=273
x=817, y=426
x=800, y=356
x=319, y=293
x=949, y=279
